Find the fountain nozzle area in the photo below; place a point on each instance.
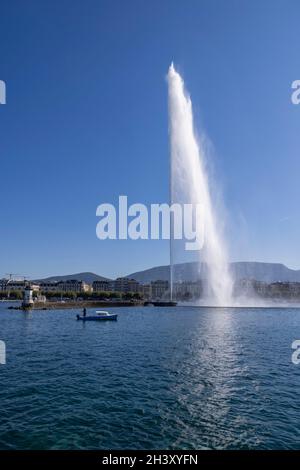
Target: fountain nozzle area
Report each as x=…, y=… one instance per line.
x=172, y=68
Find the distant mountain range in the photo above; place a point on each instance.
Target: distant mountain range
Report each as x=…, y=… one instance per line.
x=89, y=278
x=268, y=272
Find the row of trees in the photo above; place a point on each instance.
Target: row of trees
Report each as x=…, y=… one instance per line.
x=93, y=295
x=18, y=295
x=13, y=295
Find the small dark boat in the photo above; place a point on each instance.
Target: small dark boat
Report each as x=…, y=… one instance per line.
x=161, y=303
x=101, y=316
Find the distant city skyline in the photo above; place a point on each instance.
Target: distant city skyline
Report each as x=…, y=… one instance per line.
x=85, y=121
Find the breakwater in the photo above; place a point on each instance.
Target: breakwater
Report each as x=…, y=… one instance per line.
x=78, y=305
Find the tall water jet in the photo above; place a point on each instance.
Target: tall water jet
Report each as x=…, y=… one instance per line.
x=188, y=176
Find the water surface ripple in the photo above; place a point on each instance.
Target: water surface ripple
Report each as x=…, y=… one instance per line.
x=177, y=378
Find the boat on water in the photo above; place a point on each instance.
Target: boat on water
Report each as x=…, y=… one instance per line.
x=101, y=315
x=160, y=303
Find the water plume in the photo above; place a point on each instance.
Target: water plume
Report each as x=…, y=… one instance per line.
x=189, y=182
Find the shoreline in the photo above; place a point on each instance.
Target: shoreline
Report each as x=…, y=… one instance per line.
x=105, y=304
x=76, y=305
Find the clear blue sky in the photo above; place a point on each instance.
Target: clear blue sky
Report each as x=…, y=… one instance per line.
x=86, y=120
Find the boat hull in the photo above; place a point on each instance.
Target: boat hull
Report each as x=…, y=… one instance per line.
x=161, y=303
x=112, y=317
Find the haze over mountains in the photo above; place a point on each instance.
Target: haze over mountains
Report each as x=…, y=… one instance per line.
x=268, y=272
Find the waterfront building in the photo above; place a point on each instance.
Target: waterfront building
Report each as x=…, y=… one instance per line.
x=9, y=285
x=284, y=290
x=146, y=291
x=48, y=286
x=70, y=285
x=188, y=290
x=102, y=286
x=125, y=284
x=159, y=289
x=246, y=287
x=73, y=285
x=3, y=285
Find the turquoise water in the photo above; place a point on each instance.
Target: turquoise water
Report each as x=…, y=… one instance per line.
x=177, y=378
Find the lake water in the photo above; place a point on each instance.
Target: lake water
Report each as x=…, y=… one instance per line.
x=158, y=378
